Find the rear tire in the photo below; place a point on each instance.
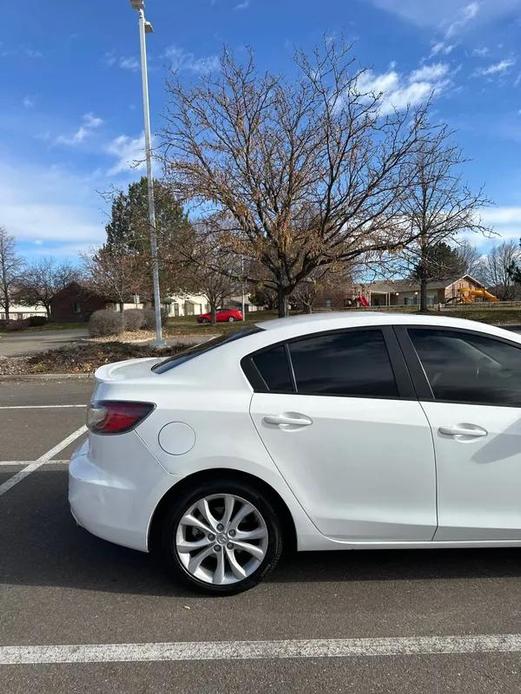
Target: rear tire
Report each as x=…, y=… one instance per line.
x=235, y=558
x=231, y=319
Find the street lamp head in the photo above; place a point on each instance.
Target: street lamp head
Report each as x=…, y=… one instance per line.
x=138, y=4
x=148, y=27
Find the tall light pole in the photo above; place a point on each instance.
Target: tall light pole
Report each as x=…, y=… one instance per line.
x=144, y=29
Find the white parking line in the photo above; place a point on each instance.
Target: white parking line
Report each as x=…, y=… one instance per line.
x=254, y=650
x=37, y=407
x=16, y=463
x=10, y=483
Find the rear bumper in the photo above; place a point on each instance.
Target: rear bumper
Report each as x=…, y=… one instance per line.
x=116, y=507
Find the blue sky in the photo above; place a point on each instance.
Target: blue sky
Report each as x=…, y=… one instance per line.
x=71, y=120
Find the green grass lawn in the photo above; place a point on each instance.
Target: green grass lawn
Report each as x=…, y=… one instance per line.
x=188, y=325
x=493, y=315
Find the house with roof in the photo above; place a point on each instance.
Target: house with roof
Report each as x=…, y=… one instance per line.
x=406, y=292
x=76, y=303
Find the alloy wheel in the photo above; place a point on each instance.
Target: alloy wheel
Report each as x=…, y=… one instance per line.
x=221, y=539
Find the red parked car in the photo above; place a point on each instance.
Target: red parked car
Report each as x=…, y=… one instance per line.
x=223, y=315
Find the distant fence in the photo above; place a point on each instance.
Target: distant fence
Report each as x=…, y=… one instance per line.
x=413, y=308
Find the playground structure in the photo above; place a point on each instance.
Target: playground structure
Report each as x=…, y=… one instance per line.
x=362, y=301
x=359, y=301
x=406, y=292
x=468, y=296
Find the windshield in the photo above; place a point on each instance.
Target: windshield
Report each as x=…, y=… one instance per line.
x=202, y=348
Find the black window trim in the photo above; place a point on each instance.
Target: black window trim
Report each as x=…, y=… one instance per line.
x=404, y=384
x=419, y=377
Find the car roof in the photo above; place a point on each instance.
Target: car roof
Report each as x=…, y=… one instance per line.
x=334, y=320
x=218, y=368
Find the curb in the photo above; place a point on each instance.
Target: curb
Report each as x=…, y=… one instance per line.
x=47, y=377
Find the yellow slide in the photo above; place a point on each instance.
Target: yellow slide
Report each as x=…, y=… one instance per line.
x=468, y=295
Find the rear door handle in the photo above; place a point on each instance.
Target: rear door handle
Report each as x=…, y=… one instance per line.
x=296, y=420
x=463, y=430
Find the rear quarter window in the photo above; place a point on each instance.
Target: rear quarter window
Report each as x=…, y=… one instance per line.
x=203, y=348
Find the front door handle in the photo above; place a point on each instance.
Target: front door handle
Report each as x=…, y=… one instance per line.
x=464, y=430
x=293, y=419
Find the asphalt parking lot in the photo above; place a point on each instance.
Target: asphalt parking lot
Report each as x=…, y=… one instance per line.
x=32, y=341
x=331, y=622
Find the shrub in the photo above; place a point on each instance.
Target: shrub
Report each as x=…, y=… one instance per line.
x=133, y=319
x=37, y=321
x=149, y=316
x=105, y=322
x=17, y=324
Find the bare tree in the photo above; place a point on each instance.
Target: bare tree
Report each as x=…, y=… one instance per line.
x=439, y=206
x=303, y=173
x=471, y=259
x=43, y=279
x=497, y=268
x=331, y=281
x=211, y=268
x=114, y=273
x=11, y=266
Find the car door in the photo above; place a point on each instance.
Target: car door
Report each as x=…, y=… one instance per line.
x=471, y=394
x=337, y=413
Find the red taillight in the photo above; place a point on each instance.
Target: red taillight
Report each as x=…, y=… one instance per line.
x=116, y=417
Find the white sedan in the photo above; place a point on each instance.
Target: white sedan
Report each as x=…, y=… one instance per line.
x=337, y=431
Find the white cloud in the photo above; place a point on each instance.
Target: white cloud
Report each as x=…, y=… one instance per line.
x=182, y=60
x=505, y=221
x=442, y=48
x=242, y=5
x=92, y=121
x=129, y=153
x=444, y=13
x=399, y=91
x=465, y=15
x=32, y=52
x=430, y=73
x=501, y=215
x=110, y=59
x=28, y=102
x=130, y=63
x=49, y=205
x=89, y=123
x=481, y=52
x=497, y=68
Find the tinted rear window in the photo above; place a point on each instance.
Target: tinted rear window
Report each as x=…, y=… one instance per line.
x=354, y=362
x=272, y=364
x=203, y=348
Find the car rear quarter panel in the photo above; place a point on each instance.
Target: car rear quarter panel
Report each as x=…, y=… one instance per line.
x=225, y=438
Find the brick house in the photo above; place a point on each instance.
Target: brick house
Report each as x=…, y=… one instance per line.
x=75, y=303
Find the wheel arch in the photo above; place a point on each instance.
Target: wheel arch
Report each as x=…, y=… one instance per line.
x=288, y=527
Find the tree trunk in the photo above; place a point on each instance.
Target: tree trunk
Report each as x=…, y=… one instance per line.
x=213, y=309
x=424, y=272
x=423, y=294
x=121, y=306
x=7, y=307
x=48, y=310
x=282, y=302
x=308, y=307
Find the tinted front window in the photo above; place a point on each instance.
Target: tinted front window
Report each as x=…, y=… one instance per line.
x=354, y=363
x=272, y=364
x=464, y=367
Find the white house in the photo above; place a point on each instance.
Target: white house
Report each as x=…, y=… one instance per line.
x=190, y=304
x=17, y=312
